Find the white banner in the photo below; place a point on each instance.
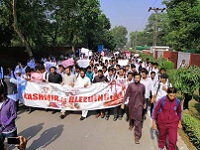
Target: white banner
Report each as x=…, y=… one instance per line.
x=56, y=96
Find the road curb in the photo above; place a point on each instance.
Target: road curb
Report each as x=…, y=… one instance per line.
x=181, y=145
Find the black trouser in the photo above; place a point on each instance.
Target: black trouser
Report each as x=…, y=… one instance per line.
x=118, y=111
x=17, y=105
x=187, y=98
x=107, y=112
x=127, y=110
x=99, y=111
x=145, y=110
x=151, y=108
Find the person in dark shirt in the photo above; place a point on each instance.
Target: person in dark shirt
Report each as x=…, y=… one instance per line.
x=54, y=77
x=100, y=78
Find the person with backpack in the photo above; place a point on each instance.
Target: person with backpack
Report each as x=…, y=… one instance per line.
x=167, y=116
x=160, y=89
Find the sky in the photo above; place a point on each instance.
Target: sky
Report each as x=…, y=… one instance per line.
x=132, y=14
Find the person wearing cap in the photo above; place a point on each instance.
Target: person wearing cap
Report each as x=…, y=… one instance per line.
x=160, y=89
x=54, y=77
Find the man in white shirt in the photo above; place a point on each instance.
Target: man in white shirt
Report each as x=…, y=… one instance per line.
x=148, y=85
x=160, y=89
x=120, y=79
x=83, y=81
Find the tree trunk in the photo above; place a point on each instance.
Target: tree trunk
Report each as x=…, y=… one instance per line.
x=16, y=29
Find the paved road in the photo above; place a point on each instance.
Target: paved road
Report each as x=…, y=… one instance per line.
x=46, y=131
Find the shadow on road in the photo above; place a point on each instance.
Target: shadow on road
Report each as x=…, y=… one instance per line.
x=47, y=137
x=32, y=131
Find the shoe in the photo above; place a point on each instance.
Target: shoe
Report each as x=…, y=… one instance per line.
x=115, y=118
x=53, y=112
x=130, y=128
x=62, y=116
x=102, y=115
x=137, y=141
x=30, y=110
x=97, y=115
x=106, y=117
x=82, y=118
x=127, y=118
x=120, y=117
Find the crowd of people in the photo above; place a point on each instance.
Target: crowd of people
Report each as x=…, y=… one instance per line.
x=147, y=86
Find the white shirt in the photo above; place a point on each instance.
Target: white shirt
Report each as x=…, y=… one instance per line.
x=80, y=82
x=148, y=86
x=161, y=92
x=110, y=78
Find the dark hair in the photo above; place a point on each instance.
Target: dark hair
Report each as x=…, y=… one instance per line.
x=3, y=88
x=171, y=90
x=82, y=69
x=61, y=66
x=153, y=72
x=100, y=71
x=137, y=74
x=110, y=69
x=89, y=67
x=118, y=65
x=53, y=67
x=7, y=71
x=130, y=73
x=133, y=66
x=28, y=69
x=144, y=71
x=162, y=69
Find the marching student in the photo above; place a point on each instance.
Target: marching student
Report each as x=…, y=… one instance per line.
x=136, y=94
x=83, y=81
x=148, y=84
x=110, y=78
x=67, y=79
x=160, y=89
x=128, y=81
x=100, y=78
x=167, y=116
x=120, y=79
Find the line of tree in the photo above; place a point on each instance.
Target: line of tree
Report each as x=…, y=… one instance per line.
x=36, y=24
x=178, y=27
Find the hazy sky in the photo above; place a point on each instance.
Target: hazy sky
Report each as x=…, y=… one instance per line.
x=133, y=14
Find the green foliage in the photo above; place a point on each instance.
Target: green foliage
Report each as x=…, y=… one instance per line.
x=144, y=57
x=186, y=80
x=56, y=23
x=163, y=63
x=145, y=37
x=119, y=34
x=192, y=129
x=184, y=27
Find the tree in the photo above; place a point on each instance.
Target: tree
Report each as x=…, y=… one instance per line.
x=184, y=27
x=38, y=24
x=17, y=30
x=119, y=34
